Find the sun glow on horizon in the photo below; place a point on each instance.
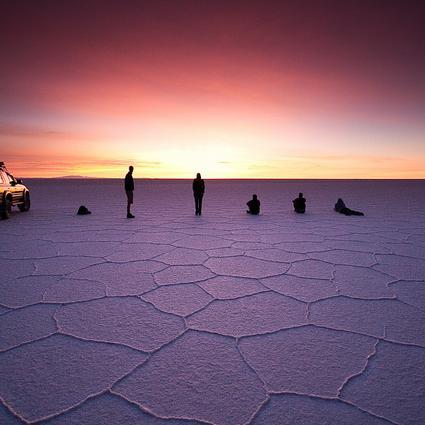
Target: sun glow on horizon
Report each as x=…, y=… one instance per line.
x=247, y=90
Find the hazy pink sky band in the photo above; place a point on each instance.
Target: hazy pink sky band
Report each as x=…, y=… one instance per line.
x=306, y=89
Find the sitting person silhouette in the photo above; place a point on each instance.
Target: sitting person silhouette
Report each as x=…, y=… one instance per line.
x=342, y=209
x=83, y=210
x=299, y=204
x=253, y=205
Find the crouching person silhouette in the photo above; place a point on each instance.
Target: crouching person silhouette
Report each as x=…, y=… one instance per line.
x=198, y=187
x=253, y=205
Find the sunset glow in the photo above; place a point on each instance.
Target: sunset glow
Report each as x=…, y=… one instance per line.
x=232, y=89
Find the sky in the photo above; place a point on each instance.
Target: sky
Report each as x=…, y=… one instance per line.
x=231, y=89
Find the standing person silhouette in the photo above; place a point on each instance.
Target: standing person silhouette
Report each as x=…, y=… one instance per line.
x=129, y=188
x=198, y=187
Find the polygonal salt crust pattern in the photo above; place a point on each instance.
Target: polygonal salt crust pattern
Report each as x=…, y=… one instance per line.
x=418, y=238
x=313, y=269
x=175, y=275
x=132, y=278
x=273, y=254
x=202, y=242
x=29, y=250
x=394, y=370
x=224, y=252
x=4, y=310
x=183, y=256
x=73, y=290
x=245, y=267
x=304, y=237
x=7, y=418
x=327, y=306
x=26, y=325
x=260, y=313
x=137, y=252
x=297, y=409
x=301, y=247
x=409, y=250
x=301, y=288
x=112, y=410
x=185, y=378
x=389, y=319
x=276, y=358
x=242, y=237
x=368, y=247
x=59, y=372
x=362, y=282
x=63, y=265
x=349, y=258
x=12, y=269
x=157, y=237
x=88, y=236
x=125, y=320
x=399, y=267
x=25, y=290
x=87, y=249
x=410, y=292
x=251, y=245
x=178, y=299
x=227, y=287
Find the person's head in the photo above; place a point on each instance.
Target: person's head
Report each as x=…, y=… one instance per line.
x=254, y=197
x=198, y=175
x=131, y=168
x=300, y=195
x=339, y=200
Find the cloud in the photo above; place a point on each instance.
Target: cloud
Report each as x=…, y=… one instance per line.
x=25, y=131
x=264, y=167
x=38, y=165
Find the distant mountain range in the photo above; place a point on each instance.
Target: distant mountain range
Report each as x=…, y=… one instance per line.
x=74, y=177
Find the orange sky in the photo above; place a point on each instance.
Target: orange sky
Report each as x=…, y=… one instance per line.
x=241, y=89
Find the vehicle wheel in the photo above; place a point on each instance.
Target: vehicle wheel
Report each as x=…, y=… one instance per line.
x=7, y=209
x=27, y=203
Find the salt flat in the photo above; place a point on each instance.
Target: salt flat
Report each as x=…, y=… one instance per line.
x=221, y=319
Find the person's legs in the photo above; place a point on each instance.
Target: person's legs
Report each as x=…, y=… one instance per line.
x=129, y=202
x=196, y=205
x=200, y=205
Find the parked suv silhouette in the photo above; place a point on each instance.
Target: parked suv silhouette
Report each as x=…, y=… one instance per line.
x=12, y=193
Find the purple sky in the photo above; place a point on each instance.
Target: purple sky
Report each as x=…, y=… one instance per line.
x=238, y=88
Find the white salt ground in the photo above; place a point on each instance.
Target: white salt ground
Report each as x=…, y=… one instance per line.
x=223, y=319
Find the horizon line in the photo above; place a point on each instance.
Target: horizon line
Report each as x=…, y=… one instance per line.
x=224, y=178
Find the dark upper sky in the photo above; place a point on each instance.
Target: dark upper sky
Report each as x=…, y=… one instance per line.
x=68, y=66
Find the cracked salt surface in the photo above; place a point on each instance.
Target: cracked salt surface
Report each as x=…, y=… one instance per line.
x=199, y=376
x=182, y=299
x=223, y=319
x=277, y=358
